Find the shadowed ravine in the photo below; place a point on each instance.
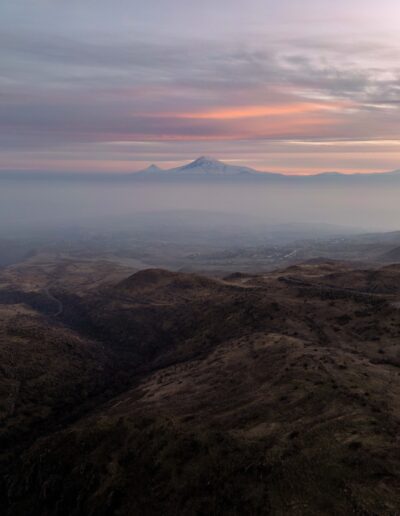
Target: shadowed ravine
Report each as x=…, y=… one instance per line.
x=161, y=391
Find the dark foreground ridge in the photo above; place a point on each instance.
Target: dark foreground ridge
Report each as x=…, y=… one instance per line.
x=170, y=393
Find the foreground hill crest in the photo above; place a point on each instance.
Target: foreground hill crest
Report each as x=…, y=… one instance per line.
x=256, y=394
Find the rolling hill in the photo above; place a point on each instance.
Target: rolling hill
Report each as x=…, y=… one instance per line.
x=163, y=392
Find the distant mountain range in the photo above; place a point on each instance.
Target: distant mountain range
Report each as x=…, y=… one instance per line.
x=207, y=168
x=203, y=166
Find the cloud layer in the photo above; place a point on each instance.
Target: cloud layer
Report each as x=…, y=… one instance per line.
x=124, y=87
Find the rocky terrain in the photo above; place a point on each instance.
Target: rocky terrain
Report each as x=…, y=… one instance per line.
x=159, y=392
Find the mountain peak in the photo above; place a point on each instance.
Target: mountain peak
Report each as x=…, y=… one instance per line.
x=153, y=168
x=205, y=165
x=205, y=161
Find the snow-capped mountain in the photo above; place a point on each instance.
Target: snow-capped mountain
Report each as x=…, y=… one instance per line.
x=210, y=168
x=202, y=167
x=205, y=165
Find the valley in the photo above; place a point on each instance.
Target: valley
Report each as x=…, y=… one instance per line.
x=158, y=391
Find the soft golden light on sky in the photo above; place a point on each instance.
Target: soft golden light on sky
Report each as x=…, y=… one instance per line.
x=296, y=86
x=232, y=113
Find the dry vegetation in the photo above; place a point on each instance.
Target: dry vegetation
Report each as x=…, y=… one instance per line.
x=171, y=393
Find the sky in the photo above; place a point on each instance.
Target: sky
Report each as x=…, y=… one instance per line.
x=296, y=86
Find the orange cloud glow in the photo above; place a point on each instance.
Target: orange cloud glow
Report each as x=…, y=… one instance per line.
x=263, y=111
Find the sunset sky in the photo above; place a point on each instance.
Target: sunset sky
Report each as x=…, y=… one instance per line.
x=295, y=86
